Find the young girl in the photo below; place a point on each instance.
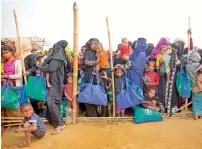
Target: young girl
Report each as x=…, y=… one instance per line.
x=151, y=78
x=120, y=72
x=152, y=102
x=13, y=72
x=199, y=78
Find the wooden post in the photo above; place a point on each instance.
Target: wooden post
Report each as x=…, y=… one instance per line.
x=21, y=53
x=189, y=46
x=111, y=63
x=75, y=67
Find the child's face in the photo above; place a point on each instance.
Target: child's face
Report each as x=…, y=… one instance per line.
x=27, y=111
x=119, y=72
x=146, y=68
x=152, y=93
x=70, y=80
x=7, y=55
x=169, y=48
x=163, y=50
x=151, y=67
x=125, y=43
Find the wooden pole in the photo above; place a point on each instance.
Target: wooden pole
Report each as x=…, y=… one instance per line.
x=20, y=47
x=111, y=63
x=75, y=67
x=189, y=48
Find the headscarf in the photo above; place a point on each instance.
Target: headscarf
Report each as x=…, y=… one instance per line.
x=194, y=57
x=181, y=45
x=133, y=45
x=175, y=48
x=155, y=52
x=149, y=49
x=59, y=50
x=26, y=47
x=141, y=47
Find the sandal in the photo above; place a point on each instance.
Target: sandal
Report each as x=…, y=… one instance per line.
x=23, y=144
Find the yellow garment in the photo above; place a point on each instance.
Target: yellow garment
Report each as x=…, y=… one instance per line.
x=103, y=59
x=158, y=58
x=2, y=68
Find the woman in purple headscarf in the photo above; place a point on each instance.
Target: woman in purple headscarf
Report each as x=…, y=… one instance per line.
x=137, y=62
x=155, y=52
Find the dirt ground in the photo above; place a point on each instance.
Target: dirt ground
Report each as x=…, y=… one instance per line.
x=172, y=133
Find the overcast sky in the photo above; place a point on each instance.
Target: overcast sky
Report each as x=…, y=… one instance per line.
x=151, y=19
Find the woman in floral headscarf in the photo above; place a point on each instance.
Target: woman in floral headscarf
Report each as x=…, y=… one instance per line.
x=155, y=52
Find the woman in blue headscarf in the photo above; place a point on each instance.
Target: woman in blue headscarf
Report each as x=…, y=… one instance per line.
x=137, y=62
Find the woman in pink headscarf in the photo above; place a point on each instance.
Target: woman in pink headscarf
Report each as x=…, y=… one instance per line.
x=155, y=52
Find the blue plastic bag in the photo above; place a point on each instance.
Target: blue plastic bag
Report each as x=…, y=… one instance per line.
x=130, y=96
x=183, y=84
x=93, y=94
x=23, y=97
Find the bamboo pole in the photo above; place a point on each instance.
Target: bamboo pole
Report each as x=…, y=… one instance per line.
x=21, y=54
x=111, y=63
x=185, y=106
x=75, y=68
x=189, y=46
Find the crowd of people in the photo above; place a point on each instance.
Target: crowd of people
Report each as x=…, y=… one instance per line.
x=151, y=68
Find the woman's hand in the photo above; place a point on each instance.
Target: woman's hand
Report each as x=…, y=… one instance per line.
x=26, y=73
x=4, y=76
x=97, y=68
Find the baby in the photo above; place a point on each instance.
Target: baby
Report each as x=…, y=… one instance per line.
x=160, y=56
x=166, y=60
x=199, y=78
x=32, y=124
x=124, y=49
x=102, y=60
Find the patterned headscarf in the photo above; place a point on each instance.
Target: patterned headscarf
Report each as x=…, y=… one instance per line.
x=155, y=52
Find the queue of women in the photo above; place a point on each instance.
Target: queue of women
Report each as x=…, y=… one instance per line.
x=153, y=69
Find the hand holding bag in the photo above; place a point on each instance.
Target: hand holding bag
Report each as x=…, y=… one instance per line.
x=93, y=94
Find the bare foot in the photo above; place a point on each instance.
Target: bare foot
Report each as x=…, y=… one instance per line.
x=48, y=85
x=23, y=144
x=196, y=117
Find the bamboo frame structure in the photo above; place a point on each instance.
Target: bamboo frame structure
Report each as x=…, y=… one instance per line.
x=75, y=67
x=111, y=63
x=21, y=54
x=189, y=46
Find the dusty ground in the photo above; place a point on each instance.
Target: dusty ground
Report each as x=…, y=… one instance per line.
x=173, y=133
